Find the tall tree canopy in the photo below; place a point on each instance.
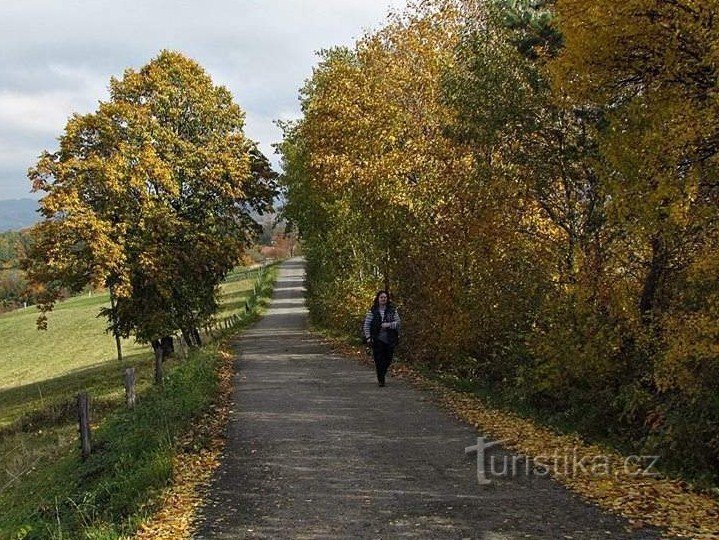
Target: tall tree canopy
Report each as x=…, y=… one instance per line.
x=152, y=197
x=536, y=183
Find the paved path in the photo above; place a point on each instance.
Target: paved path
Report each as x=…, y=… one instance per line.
x=317, y=450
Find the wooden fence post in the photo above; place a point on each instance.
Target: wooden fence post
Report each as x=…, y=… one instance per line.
x=83, y=413
x=130, y=387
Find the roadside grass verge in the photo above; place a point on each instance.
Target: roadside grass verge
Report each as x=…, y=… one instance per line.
x=132, y=450
x=46, y=491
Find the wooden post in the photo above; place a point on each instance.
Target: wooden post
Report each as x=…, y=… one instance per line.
x=158, y=366
x=83, y=414
x=130, y=387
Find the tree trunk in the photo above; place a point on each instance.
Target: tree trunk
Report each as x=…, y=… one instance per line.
x=182, y=347
x=168, y=346
x=192, y=337
x=115, y=332
x=657, y=269
x=158, y=365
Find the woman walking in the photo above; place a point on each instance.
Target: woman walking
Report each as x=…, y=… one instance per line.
x=381, y=332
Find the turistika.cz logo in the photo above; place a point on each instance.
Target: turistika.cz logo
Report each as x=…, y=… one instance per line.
x=564, y=464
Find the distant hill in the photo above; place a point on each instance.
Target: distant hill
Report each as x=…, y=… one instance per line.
x=17, y=214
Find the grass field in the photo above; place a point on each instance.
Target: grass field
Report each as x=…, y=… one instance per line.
x=41, y=373
x=38, y=367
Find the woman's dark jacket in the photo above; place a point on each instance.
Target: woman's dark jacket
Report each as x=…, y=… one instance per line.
x=373, y=324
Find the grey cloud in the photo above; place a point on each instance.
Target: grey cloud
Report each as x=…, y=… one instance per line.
x=261, y=50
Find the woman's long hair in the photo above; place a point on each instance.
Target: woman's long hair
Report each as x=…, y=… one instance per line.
x=375, y=304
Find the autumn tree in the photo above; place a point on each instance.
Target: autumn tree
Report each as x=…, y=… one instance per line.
x=651, y=66
x=151, y=197
x=534, y=182
x=373, y=151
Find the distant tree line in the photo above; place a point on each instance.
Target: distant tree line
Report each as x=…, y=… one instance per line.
x=14, y=290
x=536, y=182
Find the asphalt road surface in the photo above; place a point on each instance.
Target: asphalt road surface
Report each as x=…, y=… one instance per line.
x=317, y=450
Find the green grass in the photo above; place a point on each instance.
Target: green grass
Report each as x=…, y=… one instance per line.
x=131, y=460
x=236, y=289
x=40, y=369
x=45, y=490
x=75, y=346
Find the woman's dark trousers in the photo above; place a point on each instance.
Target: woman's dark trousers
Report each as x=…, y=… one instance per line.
x=382, y=358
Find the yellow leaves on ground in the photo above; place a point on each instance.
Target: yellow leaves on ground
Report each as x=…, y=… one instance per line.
x=652, y=501
x=192, y=469
x=600, y=475
x=659, y=502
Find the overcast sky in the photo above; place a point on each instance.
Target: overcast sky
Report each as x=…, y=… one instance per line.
x=57, y=56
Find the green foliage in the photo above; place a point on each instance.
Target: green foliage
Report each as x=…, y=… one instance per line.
x=14, y=291
x=534, y=32
x=13, y=245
